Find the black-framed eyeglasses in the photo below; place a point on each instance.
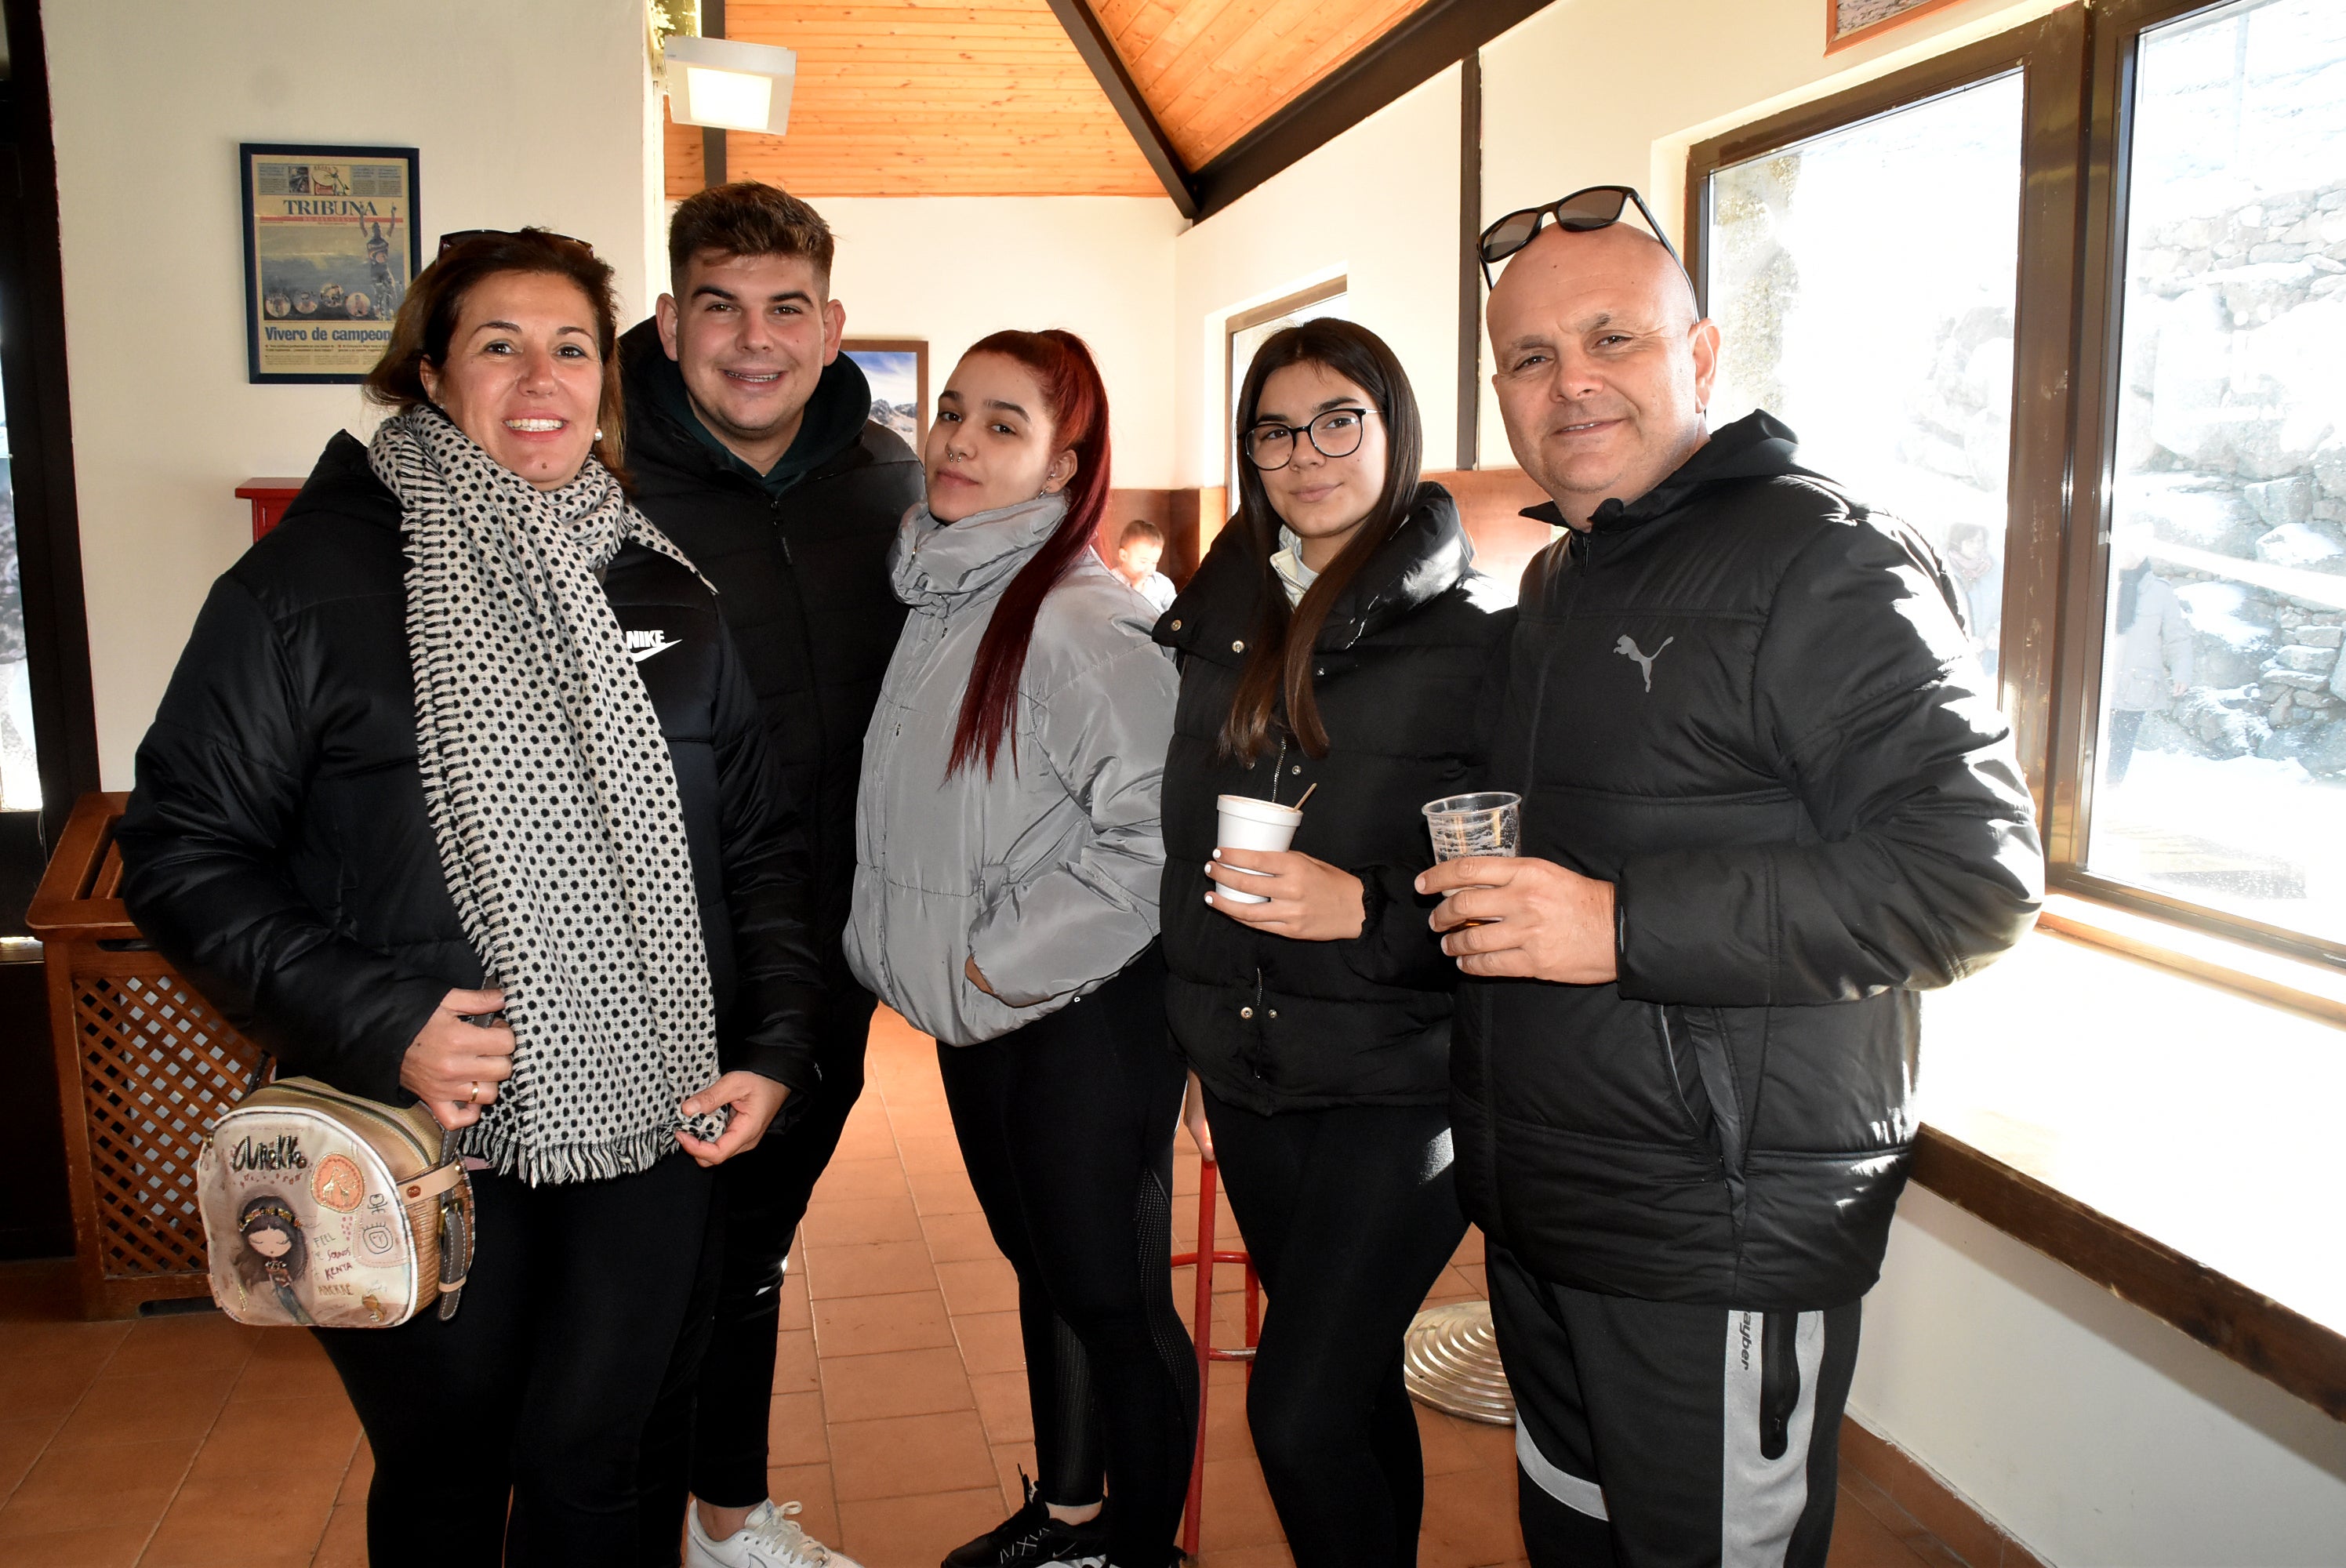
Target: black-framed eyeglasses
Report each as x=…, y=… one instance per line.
x=450, y=241
x=1598, y=206
x=1270, y=445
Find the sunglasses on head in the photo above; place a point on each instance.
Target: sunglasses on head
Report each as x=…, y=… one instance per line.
x=450, y=241
x=1598, y=206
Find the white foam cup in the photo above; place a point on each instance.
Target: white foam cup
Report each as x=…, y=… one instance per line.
x=1247, y=823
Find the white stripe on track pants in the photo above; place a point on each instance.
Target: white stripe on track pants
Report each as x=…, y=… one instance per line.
x=1654, y=1435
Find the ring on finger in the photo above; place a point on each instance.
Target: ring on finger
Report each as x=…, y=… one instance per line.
x=473, y=1094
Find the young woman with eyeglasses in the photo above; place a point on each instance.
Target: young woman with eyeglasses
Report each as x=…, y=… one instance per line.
x=1334, y=641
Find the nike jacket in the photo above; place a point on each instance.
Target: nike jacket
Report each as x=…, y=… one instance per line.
x=278, y=849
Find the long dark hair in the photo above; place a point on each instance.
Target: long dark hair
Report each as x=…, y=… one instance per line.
x=426, y=323
x=1278, y=655
x=1077, y=402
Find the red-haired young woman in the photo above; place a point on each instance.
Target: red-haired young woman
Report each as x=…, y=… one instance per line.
x=1008, y=854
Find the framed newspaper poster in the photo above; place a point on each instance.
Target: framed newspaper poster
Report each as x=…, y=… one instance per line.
x=330, y=249
x=1850, y=22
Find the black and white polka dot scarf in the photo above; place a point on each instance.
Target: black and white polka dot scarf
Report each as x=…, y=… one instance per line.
x=555, y=803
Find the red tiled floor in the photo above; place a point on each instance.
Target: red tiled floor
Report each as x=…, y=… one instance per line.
x=873, y=1269
x=894, y=1384
x=856, y=1221
x=898, y=1418
x=869, y=1325
x=796, y=1371
x=909, y=1456
x=979, y=1285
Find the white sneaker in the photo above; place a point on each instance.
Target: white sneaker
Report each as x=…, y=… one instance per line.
x=771, y=1539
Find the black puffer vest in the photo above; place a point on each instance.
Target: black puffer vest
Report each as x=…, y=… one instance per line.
x=1269, y=1022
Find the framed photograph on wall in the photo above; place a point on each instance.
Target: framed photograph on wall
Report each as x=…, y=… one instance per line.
x=329, y=250
x=1850, y=22
x=898, y=370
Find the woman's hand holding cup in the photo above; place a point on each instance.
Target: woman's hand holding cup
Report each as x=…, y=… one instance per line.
x=1288, y=893
x=1259, y=881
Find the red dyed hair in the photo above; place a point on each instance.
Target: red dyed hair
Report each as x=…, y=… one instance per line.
x=1077, y=402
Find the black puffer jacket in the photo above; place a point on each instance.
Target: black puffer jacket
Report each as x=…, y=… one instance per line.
x=1746, y=701
x=802, y=580
x=278, y=849
x=1269, y=1022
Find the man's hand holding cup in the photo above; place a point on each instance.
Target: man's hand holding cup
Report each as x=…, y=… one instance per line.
x=1503, y=917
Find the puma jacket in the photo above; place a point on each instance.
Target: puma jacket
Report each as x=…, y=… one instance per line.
x=1745, y=699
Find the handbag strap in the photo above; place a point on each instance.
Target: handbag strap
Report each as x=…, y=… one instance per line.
x=433, y=1182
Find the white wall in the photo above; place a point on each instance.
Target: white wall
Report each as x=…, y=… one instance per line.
x=526, y=111
x=2092, y=1432
x=1379, y=206
x=952, y=269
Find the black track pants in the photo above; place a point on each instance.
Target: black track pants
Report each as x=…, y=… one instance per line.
x=538, y=1389
x=1654, y=1434
x=1067, y=1129
x=762, y=1196
x=1350, y=1216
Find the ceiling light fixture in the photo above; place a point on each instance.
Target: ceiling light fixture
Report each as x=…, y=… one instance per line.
x=729, y=85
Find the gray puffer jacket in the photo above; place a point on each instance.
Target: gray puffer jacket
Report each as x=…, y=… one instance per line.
x=1047, y=870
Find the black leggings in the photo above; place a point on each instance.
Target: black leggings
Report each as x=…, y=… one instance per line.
x=1067, y=1129
x=539, y=1387
x=1350, y=1214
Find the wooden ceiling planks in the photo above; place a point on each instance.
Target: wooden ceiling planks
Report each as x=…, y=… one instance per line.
x=1212, y=70
x=920, y=97
x=934, y=97
x=681, y=162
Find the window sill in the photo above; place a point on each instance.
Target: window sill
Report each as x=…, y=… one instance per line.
x=2157, y=1114
x=2310, y=988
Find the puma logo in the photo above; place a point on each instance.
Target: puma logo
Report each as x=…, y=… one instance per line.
x=641, y=646
x=1645, y=661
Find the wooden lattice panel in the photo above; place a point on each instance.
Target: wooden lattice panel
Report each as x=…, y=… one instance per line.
x=159, y=1068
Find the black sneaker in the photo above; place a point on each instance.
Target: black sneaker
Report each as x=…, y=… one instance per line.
x=1031, y=1538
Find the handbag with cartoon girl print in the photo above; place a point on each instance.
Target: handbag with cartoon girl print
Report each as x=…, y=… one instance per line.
x=326, y=1209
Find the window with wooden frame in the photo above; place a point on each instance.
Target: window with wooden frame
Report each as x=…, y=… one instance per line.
x=48, y=735
x=2073, y=300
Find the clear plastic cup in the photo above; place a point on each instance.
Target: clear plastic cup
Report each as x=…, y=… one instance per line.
x=1487, y=824
x=1247, y=823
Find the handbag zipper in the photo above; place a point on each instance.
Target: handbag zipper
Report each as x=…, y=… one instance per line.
x=364, y=1108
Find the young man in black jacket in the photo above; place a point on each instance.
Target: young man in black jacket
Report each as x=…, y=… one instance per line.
x=751, y=442
x=1767, y=800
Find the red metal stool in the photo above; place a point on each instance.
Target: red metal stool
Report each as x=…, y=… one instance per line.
x=1205, y=1257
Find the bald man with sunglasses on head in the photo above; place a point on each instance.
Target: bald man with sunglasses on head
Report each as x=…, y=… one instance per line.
x=1768, y=800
